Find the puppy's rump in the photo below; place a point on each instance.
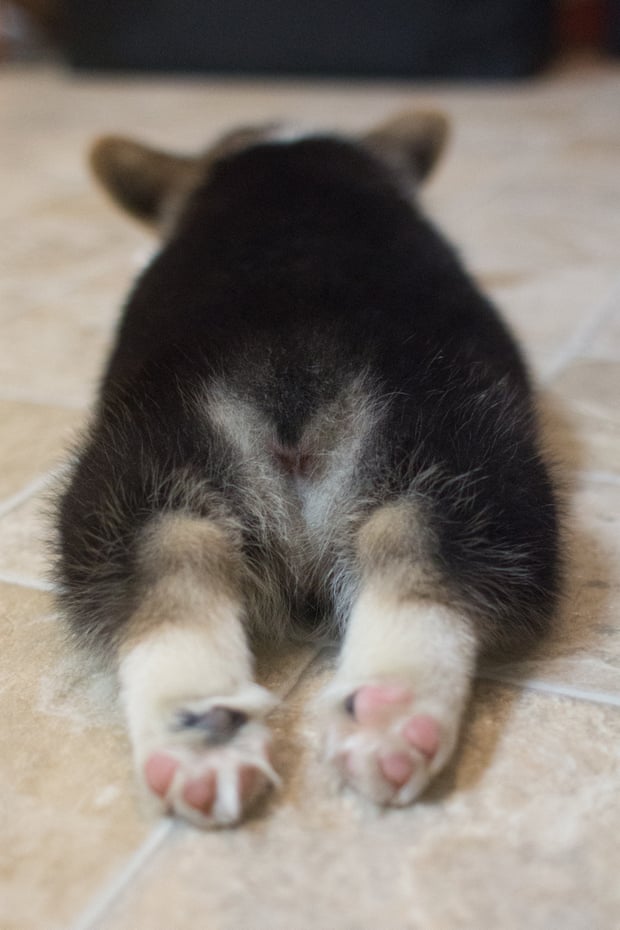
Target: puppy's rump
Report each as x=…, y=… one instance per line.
x=304, y=349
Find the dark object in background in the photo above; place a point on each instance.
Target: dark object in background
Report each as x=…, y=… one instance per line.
x=393, y=38
x=613, y=26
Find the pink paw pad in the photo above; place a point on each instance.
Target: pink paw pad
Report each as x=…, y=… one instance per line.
x=397, y=768
x=422, y=732
x=200, y=793
x=159, y=771
x=372, y=703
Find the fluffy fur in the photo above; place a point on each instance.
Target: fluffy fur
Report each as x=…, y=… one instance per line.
x=309, y=408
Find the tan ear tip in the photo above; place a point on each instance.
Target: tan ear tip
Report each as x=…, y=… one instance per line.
x=101, y=152
x=108, y=153
x=415, y=123
x=431, y=123
x=441, y=126
x=440, y=123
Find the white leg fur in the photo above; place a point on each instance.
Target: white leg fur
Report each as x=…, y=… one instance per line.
x=179, y=670
x=194, y=713
x=178, y=665
x=418, y=657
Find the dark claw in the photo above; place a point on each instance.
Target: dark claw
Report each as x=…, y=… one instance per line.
x=218, y=724
x=349, y=704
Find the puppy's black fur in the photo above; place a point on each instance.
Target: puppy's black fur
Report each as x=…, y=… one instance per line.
x=292, y=270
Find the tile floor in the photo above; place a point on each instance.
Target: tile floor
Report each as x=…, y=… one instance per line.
x=523, y=830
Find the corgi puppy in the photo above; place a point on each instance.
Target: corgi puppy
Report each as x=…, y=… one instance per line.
x=310, y=418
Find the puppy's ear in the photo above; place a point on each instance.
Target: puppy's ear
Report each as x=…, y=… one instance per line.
x=147, y=183
x=411, y=141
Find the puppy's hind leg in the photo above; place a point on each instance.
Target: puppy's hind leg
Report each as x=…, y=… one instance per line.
x=195, y=715
x=394, y=707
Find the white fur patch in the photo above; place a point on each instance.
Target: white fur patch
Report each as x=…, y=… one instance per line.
x=386, y=634
x=175, y=667
x=289, y=132
x=312, y=515
x=420, y=646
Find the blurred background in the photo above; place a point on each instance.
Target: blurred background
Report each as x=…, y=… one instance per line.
x=453, y=39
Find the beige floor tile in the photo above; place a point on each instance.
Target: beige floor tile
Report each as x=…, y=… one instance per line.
x=550, y=311
x=48, y=273
x=56, y=335
x=587, y=431
x=69, y=814
x=523, y=822
x=33, y=438
x=536, y=209
x=526, y=232
x=26, y=535
x=606, y=342
x=44, y=357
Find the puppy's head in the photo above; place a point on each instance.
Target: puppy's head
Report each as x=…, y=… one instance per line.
x=153, y=186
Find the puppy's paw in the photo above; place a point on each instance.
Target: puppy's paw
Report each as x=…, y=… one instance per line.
x=386, y=743
x=211, y=760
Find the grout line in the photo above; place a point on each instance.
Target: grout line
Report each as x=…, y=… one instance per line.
x=584, y=336
x=102, y=902
x=10, y=503
x=536, y=684
x=36, y=584
x=301, y=674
